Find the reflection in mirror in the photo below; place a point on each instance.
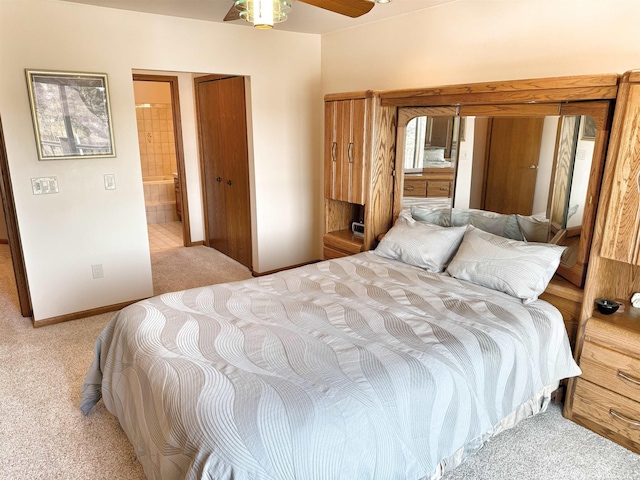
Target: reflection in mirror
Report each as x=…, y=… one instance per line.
x=537, y=168
x=537, y=165
x=430, y=148
x=571, y=181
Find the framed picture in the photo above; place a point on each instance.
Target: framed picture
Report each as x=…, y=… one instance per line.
x=588, y=128
x=71, y=115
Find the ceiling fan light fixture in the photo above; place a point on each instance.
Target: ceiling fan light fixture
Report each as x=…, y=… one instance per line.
x=263, y=13
x=383, y=1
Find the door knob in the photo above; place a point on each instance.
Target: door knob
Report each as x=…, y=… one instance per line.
x=533, y=167
x=228, y=182
x=218, y=179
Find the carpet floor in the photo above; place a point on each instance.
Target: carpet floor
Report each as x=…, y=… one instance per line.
x=43, y=435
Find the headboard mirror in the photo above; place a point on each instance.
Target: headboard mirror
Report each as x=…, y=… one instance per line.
x=539, y=165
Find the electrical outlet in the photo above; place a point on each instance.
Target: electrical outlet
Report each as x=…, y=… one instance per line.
x=96, y=270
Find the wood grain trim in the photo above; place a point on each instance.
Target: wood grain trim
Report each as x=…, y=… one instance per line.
x=528, y=110
x=524, y=96
x=618, y=331
x=344, y=240
x=330, y=97
x=610, y=369
x=379, y=208
x=405, y=115
x=83, y=314
x=561, y=288
x=594, y=404
x=13, y=231
x=632, y=76
x=526, y=85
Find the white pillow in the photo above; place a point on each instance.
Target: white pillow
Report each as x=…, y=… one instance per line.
x=491, y=222
x=436, y=216
x=420, y=244
x=533, y=229
x=520, y=269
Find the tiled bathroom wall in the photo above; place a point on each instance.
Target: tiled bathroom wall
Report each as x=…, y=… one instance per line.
x=160, y=202
x=156, y=139
x=158, y=159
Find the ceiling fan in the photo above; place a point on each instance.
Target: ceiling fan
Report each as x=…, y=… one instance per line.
x=264, y=13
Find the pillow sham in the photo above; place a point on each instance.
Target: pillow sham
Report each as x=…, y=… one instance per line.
x=491, y=222
x=435, y=216
x=533, y=229
x=520, y=269
x=420, y=244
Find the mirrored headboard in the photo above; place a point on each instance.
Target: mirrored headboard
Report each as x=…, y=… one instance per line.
x=538, y=159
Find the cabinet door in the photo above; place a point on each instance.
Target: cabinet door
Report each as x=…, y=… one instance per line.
x=345, y=137
x=332, y=173
x=621, y=237
x=353, y=186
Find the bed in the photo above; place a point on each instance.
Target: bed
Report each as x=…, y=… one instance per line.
x=361, y=367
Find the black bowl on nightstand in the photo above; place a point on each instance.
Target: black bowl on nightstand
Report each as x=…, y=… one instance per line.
x=606, y=307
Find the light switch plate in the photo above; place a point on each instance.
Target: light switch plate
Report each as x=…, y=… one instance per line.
x=110, y=181
x=44, y=185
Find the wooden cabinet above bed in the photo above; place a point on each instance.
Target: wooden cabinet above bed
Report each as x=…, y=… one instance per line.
x=358, y=171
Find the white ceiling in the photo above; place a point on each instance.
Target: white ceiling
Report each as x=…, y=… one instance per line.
x=303, y=18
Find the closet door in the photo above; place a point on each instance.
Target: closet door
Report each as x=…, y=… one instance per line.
x=236, y=168
x=512, y=164
x=222, y=127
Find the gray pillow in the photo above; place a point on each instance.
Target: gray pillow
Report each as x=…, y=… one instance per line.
x=533, y=229
x=435, y=216
x=491, y=222
x=520, y=269
x=420, y=244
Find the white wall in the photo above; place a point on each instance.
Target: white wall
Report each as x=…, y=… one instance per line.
x=63, y=234
x=477, y=41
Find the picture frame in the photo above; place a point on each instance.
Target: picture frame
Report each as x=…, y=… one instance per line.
x=588, y=128
x=71, y=114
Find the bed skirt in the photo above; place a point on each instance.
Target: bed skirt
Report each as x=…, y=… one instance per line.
x=536, y=404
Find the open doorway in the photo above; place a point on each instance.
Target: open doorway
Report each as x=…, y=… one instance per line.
x=12, y=255
x=161, y=157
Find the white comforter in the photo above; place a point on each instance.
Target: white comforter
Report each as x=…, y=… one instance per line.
x=355, y=368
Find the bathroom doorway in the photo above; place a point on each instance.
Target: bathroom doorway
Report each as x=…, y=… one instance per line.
x=161, y=158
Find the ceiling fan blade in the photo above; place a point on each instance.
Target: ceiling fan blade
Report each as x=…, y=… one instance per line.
x=350, y=8
x=232, y=14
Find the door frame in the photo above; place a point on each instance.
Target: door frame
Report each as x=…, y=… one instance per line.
x=13, y=231
x=177, y=127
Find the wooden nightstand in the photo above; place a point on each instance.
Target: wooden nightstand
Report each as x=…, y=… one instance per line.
x=606, y=398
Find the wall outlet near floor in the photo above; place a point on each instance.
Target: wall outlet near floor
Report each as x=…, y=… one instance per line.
x=96, y=270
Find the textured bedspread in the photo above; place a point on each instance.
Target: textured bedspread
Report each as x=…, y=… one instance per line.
x=355, y=368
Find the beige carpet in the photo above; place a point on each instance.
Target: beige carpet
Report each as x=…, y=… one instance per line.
x=43, y=435
x=192, y=267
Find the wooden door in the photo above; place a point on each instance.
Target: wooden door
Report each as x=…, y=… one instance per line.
x=512, y=165
x=222, y=127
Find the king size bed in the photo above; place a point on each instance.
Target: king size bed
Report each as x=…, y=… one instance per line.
x=363, y=367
